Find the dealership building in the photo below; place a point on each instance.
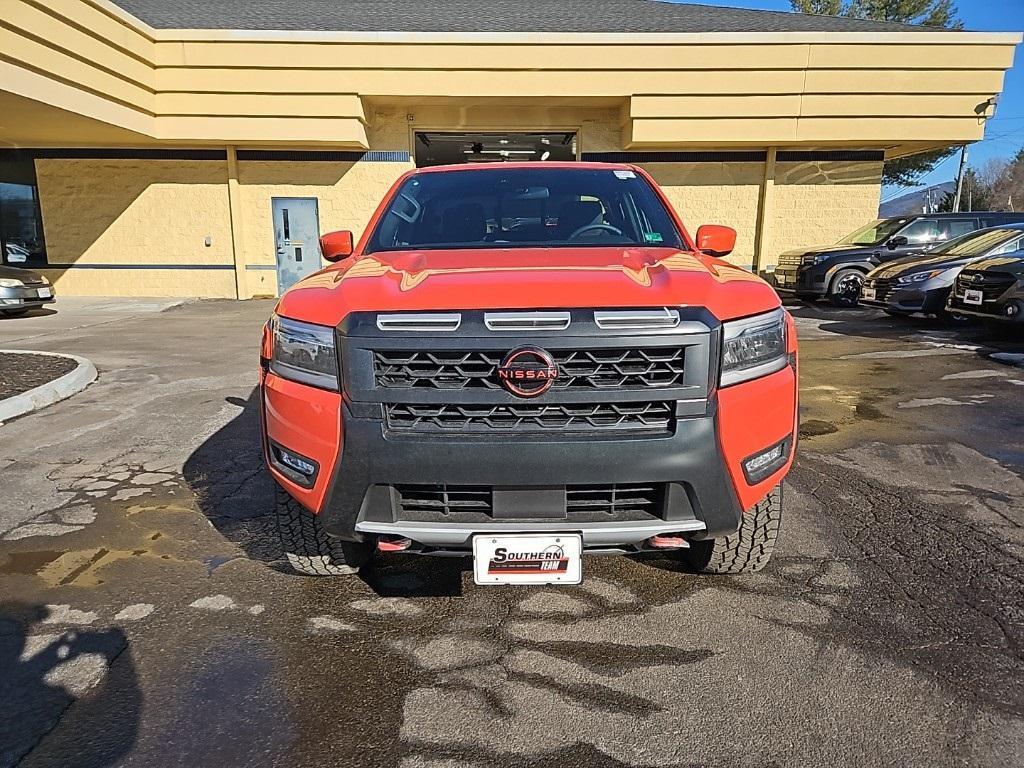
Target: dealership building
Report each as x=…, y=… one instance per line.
x=189, y=148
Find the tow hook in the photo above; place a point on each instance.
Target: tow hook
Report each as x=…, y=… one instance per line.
x=393, y=545
x=668, y=541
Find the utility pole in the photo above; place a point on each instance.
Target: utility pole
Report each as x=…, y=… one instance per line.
x=960, y=179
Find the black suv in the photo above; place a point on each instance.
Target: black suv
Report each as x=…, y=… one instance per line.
x=992, y=289
x=837, y=271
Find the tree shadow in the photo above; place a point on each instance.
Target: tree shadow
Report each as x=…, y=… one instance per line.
x=68, y=698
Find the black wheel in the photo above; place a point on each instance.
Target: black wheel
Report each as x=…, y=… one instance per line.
x=749, y=549
x=308, y=547
x=845, y=288
x=14, y=312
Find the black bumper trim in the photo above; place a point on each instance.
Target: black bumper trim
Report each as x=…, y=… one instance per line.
x=369, y=463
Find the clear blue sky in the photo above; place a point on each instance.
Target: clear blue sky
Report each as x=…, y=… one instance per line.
x=1004, y=134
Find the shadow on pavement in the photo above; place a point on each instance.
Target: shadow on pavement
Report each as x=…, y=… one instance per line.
x=233, y=488
x=78, y=690
x=236, y=493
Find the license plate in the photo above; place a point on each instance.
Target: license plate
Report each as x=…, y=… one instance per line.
x=868, y=294
x=549, y=558
x=973, y=297
x=45, y=293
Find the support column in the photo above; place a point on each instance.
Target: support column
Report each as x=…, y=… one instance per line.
x=235, y=212
x=765, y=215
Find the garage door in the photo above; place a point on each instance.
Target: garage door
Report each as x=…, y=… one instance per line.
x=443, y=148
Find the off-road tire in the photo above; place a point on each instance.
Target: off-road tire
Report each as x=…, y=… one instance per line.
x=307, y=546
x=845, y=299
x=14, y=312
x=749, y=549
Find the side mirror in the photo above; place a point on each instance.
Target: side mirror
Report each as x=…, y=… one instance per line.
x=336, y=246
x=897, y=242
x=716, y=240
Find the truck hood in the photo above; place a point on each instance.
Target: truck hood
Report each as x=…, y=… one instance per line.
x=526, y=278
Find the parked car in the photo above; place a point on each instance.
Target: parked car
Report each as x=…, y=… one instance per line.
x=581, y=377
x=22, y=289
x=921, y=283
x=992, y=289
x=836, y=272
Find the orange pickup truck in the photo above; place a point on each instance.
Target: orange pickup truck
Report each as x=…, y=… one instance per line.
x=524, y=363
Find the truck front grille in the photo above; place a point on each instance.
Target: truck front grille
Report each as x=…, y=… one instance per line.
x=590, y=502
x=629, y=368
x=583, y=417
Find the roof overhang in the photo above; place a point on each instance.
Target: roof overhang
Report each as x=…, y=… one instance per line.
x=897, y=91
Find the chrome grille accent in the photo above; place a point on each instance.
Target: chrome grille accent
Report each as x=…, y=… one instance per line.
x=584, y=417
x=527, y=321
x=632, y=319
x=420, y=322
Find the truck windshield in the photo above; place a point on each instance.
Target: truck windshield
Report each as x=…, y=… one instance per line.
x=520, y=207
x=874, y=233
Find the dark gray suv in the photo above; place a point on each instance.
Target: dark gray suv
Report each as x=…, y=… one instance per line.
x=836, y=272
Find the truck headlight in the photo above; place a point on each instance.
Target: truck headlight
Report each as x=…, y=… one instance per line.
x=753, y=347
x=10, y=282
x=304, y=352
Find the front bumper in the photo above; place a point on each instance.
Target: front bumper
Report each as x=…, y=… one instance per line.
x=18, y=298
x=364, y=465
x=789, y=279
x=911, y=300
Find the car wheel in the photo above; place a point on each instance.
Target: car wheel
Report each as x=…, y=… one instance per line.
x=845, y=288
x=307, y=546
x=749, y=549
x=14, y=312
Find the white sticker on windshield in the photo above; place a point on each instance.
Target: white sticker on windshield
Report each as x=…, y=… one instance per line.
x=625, y=174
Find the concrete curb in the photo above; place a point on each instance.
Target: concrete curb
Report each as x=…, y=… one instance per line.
x=50, y=393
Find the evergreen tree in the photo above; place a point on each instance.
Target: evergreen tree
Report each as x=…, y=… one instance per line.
x=904, y=171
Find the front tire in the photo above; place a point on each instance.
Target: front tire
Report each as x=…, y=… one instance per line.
x=750, y=548
x=307, y=546
x=845, y=288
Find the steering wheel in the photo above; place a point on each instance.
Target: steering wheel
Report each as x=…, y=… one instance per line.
x=601, y=227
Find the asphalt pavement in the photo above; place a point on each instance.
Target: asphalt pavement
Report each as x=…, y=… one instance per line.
x=147, y=619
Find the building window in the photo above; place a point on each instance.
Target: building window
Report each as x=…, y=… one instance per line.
x=21, y=224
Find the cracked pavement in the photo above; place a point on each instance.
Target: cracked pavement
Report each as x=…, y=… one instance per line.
x=147, y=618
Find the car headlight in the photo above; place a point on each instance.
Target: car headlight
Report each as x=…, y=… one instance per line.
x=10, y=282
x=919, y=277
x=304, y=352
x=753, y=347
x=810, y=261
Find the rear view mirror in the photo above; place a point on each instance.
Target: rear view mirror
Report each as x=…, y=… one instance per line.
x=897, y=242
x=336, y=246
x=716, y=240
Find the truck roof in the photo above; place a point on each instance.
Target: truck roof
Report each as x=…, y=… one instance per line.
x=534, y=164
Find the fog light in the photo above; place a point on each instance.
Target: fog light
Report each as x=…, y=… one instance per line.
x=1013, y=309
x=295, y=467
x=761, y=465
x=296, y=463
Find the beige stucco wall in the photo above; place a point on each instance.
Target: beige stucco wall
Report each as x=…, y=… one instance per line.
x=160, y=212
x=155, y=212
x=816, y=203
x=715, y=193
